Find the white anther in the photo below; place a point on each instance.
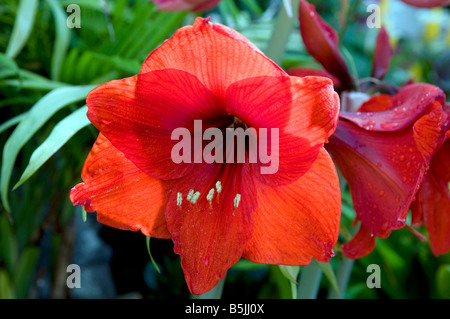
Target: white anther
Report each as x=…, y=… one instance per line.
x=210, y=194
x=237, y=199
x=218, y=187
x=179, y=199
x=195, y=197
x=189, y=196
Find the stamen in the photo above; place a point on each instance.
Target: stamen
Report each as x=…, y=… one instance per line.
x=195, y=197
x=189, y=196
x=219, y=187
x=210, y=194
x=179, y=199
x=237, y=199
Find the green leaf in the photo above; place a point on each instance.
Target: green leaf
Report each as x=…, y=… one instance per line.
x=28, y=126
x=150, y=254
x=33, y=84
x=329, y=273
x=60, y=134
x=6, y=287
x=62, y=38
x=8, y=244
x=291, y=273
x=253, y=6
x=25, y=271
x=443, y=281
x=8, y=66
x=11, y=122
x=23, y=24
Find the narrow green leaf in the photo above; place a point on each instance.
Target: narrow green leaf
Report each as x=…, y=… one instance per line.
x=6, y=287
x=150, y=254
x=60, y=134
x=329, y=273
x=253, y=6
x=62, y=38
x=8, y=244
x=32, y=82
x=33, y=121
x=291, y=273
x=11, y=122
x=163, y=31
x=23, y=24
x=8, y=66
x=25, y=271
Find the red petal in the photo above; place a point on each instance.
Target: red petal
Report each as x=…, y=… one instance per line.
x=406, y=107
x=377, y=103
x=210, y=235
x=384, y=171
x=382, y=54
x=434, y=201
x=427, y=3
x=304, y=110
x=301, y=72
x=361, y=245
x=322, y=42
x=299, y=221
x=215, y=54
x=123, y=196
x=138, y=115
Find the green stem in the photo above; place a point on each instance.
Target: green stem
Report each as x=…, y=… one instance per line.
x=215, y=293
x=284, y=25
x=309, y=284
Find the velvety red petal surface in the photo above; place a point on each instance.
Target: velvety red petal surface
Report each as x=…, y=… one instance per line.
x=304, y=110
x=322, y=43
x=138, y=115
x=299, y=221
x=210, y=234
x=123, y=196
x=213, y=53
x=382, y=54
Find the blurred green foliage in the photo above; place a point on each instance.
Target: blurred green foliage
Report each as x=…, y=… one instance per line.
x=46, y=70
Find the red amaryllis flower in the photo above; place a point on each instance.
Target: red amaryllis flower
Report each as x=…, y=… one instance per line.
x=384, y=152
x=427, y=3
x=186, y=5
x=214, y=212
